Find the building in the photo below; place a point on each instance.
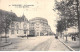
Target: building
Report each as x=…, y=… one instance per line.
x=39, y=26
x=19, y=27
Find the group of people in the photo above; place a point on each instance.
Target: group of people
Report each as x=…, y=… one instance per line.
x=73, y=38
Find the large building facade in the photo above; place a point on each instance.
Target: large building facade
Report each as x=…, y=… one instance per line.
x=39, y=27
x=19, y=27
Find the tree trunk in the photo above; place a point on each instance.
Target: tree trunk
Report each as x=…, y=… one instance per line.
x=66, y=38
x=61, y=34
x=5, y=36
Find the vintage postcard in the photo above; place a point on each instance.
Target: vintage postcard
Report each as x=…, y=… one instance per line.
x=39, y=25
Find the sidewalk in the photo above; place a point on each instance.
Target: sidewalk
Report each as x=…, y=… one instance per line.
x=72, y=44
x=56, y=45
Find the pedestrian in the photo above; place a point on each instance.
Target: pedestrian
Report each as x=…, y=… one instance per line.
x=72, y=38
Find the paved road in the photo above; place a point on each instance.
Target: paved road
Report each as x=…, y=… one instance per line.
x=43, y=43
x=51, y=44
x=56, y=45
x=20, y=44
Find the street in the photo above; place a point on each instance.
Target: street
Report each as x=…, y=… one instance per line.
x=51, y=44
x=40, y=43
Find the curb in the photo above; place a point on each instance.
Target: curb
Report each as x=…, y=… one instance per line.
x=67, y=46
x=6, y=44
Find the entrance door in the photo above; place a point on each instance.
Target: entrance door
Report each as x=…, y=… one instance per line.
x=24, y=31
x=37, y=33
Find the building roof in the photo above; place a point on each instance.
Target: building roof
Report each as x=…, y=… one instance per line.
x=38, y=19
x=21, y=19
x=13, y=16
x=24, y=18
x=18, y=19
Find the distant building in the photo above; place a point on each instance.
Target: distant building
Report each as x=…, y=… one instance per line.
x=39, y=26
x=19, y=27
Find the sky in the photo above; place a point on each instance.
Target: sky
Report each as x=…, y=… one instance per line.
x=36, y=8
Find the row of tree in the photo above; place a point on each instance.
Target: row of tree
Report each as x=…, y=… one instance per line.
x=68, y=14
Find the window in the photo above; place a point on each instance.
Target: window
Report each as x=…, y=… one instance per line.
x=38, y=33
x=17, y=26
x=7, y=32
x=12, y=31
x=24, y=32
x=17, y=31
x=12, y=25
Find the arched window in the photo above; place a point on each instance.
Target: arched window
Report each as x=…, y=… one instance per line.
x=17, y=26
x=25, y=26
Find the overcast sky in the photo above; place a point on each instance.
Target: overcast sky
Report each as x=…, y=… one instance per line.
x=40, y=8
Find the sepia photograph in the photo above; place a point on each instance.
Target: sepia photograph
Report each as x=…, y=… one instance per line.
x=39, y=25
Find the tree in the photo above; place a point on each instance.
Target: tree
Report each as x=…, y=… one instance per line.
x=68, y=13
x=5, y=20
x=61, y=26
